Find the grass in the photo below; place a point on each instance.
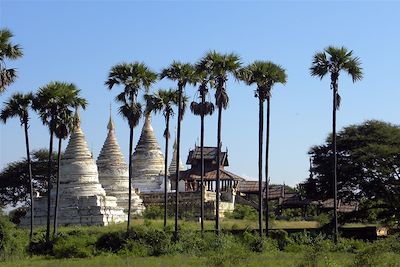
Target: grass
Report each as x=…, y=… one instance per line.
x=251, y=259
x=226, y=224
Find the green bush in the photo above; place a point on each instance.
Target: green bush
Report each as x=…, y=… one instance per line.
x=153, y=212
x=113, y=241
x=157, y=241
x=242, y=212
x=39, y=246
x=323, y=219
x=73, y=247
x=12, y=240
x=281, y=237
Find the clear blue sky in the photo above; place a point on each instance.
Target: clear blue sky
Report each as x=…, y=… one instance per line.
x=79, y=41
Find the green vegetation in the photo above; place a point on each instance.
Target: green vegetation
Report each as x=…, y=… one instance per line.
x=368, y=173
x=151, y=246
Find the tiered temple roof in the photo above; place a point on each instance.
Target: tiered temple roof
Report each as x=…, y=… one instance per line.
x=114, y=173
x=172, y=166
x=148, y=161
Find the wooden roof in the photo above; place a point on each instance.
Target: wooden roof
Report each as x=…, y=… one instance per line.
x=209, y=153
x=212, y=175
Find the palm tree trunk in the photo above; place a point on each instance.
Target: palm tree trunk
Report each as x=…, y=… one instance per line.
x=130, y=177
x=49, y=186
x=267, y=168
x=335, y=199
x=178, y=143
x=202, y=161
x=28, y=158
x=217, y=226
x=165, y=172
x=57, y=188
x=260, y=163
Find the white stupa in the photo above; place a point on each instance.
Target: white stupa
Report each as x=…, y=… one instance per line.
x=148, y=161
x=82, y=199
x=114, y=173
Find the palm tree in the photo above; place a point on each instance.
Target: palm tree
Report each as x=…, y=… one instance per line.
x=333, y=60
x=265, y=75
x=133, y=77
x=18, y=106
x=220, y=65
x=7, y=51
x=202, y=108
x=163, y=100
x=45, y=104
x=183, y=73
x=68, y=101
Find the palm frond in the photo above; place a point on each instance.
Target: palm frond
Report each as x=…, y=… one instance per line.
x=132, y=113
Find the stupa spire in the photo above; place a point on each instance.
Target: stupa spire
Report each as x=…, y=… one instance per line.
x=172, y=165
x=110, y=125
x=113, y=172
x=148, y=160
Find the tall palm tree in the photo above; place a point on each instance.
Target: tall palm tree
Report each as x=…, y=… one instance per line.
x=333, y=60
x=163, y=101
x=68, y=101
x=183, y=73
x=49, y=102
x=202, y=109
x=45, y=103
x=18, y=106
x=8, y=51
x=265, y=75
x=220, y=66
x=133, y=77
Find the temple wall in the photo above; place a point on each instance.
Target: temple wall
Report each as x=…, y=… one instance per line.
x=189, y=202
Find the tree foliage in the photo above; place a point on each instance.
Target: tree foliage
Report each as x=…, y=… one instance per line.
x=14, y=179
x=368, y=167
x=8, y=51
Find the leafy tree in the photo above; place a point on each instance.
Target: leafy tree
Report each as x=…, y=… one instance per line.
x=220, y=66
x=163, y=101
x=18, y=106
x=368, y=168
x=14, y=179
x=333, y=60
x=265, y=75
x=8, y=51
x=183, y=73
x=133, y=77
x=202, y=109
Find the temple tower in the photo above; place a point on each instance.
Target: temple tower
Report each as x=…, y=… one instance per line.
x=114, y=173
x=148, y=161
x=172, y=165
x=172, y=170
x=82, y=199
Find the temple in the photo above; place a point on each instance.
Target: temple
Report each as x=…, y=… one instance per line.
x=82, y=199
x=96, y=193
x=148, y=161
x=114, y=173
x=192, y=176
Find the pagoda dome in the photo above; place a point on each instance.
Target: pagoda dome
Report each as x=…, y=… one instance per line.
x=148, y=160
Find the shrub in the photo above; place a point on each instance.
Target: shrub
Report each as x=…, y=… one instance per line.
x=259, y=244
x=157, y=241
x=153, y=212
x=12, y=242
x=242, y=212
x=113, y=241
x=39, y=246
x=73, y=247
x=323, y=219
x=281, y=237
